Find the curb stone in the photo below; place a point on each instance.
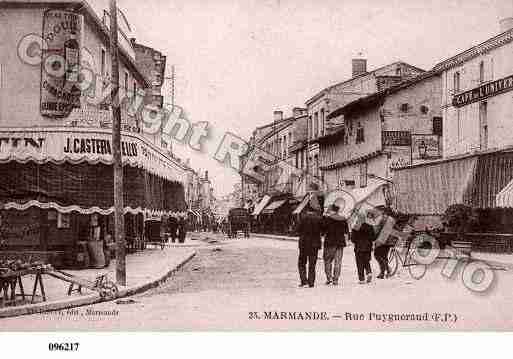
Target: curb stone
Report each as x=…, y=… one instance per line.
x=90, y=298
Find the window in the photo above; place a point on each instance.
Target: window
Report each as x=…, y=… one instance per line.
x=310, y=127
x=424, y=109
x=134, y=89
x=363, y=174
x=360, y=134
x=316, y=124
x=103, y=62
x=285, y=146
x=481, y=72
x=483, y=125
x=322, y=122
x=126, y=82
x=437, y=126
x=456, y=82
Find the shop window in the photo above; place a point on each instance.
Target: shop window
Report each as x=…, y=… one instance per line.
x=363, y=174
x=456, y=82
x=63, y=221
x=360, y=137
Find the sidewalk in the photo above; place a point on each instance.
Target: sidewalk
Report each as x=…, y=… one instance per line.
x=145, y=270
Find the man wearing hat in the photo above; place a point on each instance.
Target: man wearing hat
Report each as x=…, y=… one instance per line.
x=335, y=229
x=309, y=243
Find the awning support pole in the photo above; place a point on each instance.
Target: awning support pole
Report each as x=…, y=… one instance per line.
x=119, y=225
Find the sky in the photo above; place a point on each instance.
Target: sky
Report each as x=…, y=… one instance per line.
x=237, y=61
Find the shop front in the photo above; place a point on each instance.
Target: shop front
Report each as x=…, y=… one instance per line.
x=56, y=192
x=481, y=182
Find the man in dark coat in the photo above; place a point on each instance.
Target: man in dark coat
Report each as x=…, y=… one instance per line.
x=182, y=230
x=309, y=244
x=172, y=227
x=362, y=236
x=335, y=230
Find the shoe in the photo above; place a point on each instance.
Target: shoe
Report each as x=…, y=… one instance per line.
x=301, y=285
x=310, y=285
x=369, y=277
x=381, y=276
x=328, y=282
x=335, y=283
x=361, y=282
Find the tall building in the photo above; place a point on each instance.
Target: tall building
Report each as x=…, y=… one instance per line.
x=55, y=125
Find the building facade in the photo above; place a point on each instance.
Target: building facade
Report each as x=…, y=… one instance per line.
x=55, y=124
x=392, y=128
x=477, y=102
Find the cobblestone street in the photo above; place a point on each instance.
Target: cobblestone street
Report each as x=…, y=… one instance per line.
x=228, y=283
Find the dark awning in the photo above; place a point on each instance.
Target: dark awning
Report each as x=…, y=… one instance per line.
x=274, y=206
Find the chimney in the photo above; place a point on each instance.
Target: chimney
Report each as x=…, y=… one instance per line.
x=298, y=112
x=278, y=116
x=359, y=67
x=505, y=11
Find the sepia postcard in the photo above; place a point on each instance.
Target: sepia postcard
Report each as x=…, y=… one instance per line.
x=260, y=165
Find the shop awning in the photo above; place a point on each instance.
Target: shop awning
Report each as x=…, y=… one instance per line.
x=504, y=198
x=474, y=180
x=85, y=145
x=347, y=200
x=261, y=205
x=303, y=204
x=274, y=206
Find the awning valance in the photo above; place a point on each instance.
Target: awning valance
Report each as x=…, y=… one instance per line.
x=60, y=145
x=274, y=206
x=261, y=205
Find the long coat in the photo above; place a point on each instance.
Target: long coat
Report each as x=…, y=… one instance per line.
x=310, y=229
x=363, y=238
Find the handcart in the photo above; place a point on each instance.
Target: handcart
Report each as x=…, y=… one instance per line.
x=106, y=288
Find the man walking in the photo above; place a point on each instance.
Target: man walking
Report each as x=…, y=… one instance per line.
x=309, y=245
x=335, y=230
x=362, y=236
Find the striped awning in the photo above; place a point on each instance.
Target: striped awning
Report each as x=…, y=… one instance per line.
x=504, y=198
x=261, y=205
x=274, y=206
x=303, y=204
x=474, y=180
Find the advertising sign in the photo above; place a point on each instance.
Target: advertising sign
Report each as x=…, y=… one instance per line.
x=396, y=138
x=60, y=93
x=425, y=147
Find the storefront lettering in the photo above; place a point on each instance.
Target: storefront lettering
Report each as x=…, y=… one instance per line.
x=483, y=91
x=98, y=146
x=16, y=142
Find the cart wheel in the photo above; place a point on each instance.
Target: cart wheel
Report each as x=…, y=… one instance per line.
x=109, y=290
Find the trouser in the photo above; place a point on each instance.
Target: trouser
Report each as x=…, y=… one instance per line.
x=381, y=255
x=181, y=237
x=173, y=236
x=307, y=255
x=363, y=264
x=332, y=256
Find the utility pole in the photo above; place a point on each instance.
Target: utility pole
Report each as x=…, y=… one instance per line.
x=119, y=223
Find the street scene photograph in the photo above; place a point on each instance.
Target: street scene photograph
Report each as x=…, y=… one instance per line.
x=259, y=165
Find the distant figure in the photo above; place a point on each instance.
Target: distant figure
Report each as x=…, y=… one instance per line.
x=172, y=223
x=335, y=231
x=362, y=236
x=309, y=245
x=182, y=230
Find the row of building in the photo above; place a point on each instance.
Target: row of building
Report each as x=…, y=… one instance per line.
x=416, y=140
x=56, y=164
